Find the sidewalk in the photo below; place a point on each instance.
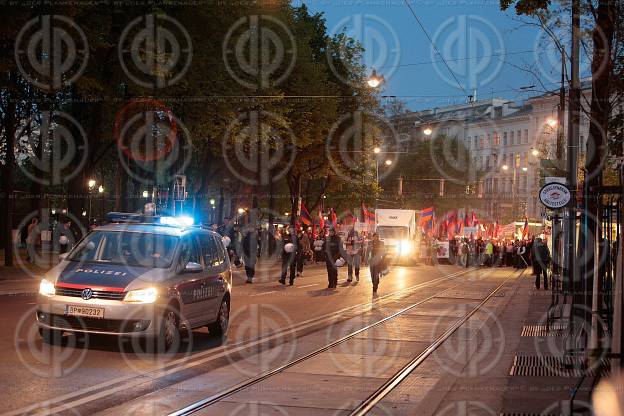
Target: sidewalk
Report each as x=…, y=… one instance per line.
x=528, y=376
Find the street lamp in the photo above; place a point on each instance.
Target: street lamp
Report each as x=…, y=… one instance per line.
x=241, y=211
x=377, y=150
x=212, y=201
x=91, y=184
x=525, y=169
x=552, y=122
x=101, y=189
x=375, y=80
x=388, y=162
x=505, y=167
x=428, y=131
x=145, y=194
x=535, y=152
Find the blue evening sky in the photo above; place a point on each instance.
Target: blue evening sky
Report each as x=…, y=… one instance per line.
x=467, y=34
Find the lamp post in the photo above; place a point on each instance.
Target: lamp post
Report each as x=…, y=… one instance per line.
x=90, y=186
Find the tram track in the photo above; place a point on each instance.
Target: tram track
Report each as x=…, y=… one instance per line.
x=120, y=384
x=380, y=393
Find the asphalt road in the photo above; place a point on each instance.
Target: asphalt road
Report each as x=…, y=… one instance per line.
x=33, y=372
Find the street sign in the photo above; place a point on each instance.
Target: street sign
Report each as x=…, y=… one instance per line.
x=555, y=195
x=555, y=179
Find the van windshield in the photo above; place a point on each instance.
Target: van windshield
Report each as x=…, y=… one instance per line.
x=397, y=233
x=126, y=248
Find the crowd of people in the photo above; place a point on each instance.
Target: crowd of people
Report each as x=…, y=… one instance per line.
x=297, y=247
x=530, y=253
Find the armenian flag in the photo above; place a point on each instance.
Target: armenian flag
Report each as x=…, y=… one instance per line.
x=305, y=217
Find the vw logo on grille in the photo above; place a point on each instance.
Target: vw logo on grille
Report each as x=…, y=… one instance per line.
x=86, y=294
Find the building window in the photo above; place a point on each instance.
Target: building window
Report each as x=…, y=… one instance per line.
x=496, y=139
x=505, y=139
x=475, y=142
x=511, y=137
x=517, y=160
x=495, y=185
x=526, y=136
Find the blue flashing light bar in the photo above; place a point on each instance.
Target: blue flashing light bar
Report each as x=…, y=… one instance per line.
x=182, y=221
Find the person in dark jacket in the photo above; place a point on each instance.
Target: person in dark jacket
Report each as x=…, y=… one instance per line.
x=289, y=260
x=541, y=261
x=331, y=248
x=377, y=260
x=250, y=251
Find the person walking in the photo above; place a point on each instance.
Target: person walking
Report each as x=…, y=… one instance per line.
x=354, y=250
x=289, y=256
x=377, y=260
x=304, y=251
x=541, y=262
x=250, y=250
x=31, y=239
x=489, y=254
x=332, y=250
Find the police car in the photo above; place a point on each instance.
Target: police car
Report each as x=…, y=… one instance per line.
x=139, y=277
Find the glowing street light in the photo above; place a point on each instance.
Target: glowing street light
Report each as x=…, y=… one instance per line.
x=212, y=201
x=145, y=194
x=241, y=210
x=535, y=152
x=552, y=122
x=374, y=80
x=525, y=169
x=428, y=131
x=388, y=162
x=505, y=167
x=377, y=150
x=101, y=189
x=91, y=184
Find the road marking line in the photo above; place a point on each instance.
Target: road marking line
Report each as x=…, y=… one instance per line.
x=263, y=293
x=315, y=284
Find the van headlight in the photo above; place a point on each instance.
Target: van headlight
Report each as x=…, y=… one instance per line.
x=46, y=288
x=405, y=247
x=148, y=295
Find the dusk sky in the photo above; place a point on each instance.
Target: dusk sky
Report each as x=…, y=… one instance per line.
x=484, y=46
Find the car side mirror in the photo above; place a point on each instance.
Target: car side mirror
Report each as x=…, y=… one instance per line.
x=192, y=267
x=63, y=256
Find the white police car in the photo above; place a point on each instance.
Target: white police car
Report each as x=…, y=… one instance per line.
x=141, y=276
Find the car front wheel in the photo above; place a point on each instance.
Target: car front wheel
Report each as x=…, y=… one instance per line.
x=220, y=326
x=169, y=334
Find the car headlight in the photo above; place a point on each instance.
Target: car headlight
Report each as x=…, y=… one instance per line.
x=405, y=247
x=46, y=288
x=148, y=295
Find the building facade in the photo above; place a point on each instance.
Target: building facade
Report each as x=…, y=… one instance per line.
x=507, y=144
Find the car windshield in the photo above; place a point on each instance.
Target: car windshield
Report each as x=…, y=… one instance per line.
x=126, y=248
x=398, y=233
